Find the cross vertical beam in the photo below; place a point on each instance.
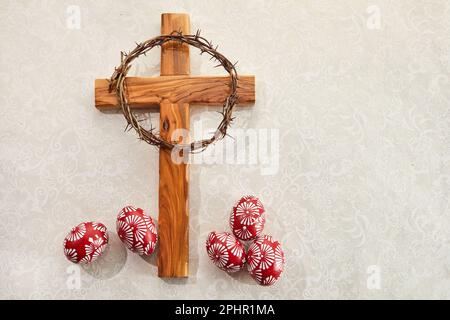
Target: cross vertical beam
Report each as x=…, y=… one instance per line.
x=173, y=221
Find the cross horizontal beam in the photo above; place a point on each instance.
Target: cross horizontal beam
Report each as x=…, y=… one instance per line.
x=150, y=92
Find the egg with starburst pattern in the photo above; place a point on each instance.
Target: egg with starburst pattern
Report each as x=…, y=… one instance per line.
x=265, y=260
x=85, y=242
x=225, y=251
x=247, y=218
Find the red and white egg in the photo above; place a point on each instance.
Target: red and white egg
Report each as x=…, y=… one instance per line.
x=225, y=251
x=247, y=218
x=85, y=242
x=136, y=230
x=265, y=260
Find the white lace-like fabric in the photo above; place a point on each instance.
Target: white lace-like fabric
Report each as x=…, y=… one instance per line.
x=359, y=94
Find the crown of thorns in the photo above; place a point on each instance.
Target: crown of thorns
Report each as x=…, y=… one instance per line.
x=118, y=83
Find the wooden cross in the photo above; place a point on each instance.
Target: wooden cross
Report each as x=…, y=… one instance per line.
x=173, y=92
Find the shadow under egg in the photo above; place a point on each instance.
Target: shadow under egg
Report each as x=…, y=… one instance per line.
x=111, y=262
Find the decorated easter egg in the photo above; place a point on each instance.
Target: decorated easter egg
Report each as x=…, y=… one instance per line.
x=86, y=242
x=225, y=251
x=265, y=260
x=136, y=230
x=247, y=218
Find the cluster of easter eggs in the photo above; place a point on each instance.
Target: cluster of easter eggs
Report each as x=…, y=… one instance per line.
x=264, y=256
x=88, y=240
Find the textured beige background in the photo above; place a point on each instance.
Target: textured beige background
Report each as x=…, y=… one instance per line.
x=364, y=123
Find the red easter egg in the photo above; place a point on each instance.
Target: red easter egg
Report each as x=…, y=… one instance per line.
x=86, y=242
x=265, y=260
x=137, y=230
x=225, y=251
x=247, y=218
